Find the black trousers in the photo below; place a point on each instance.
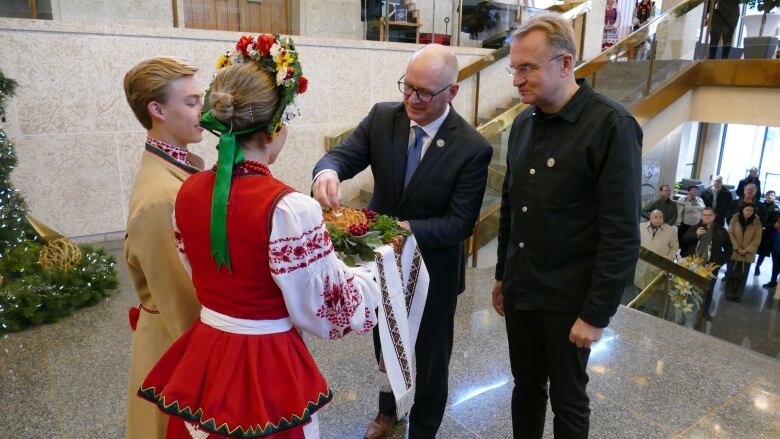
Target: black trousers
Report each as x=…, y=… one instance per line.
x=710, y=292
x=540, y=350
x=432, y=352
x=774, y=256
x=721, y=28
x=681, y=229
x=736, y=278
x=775, y=266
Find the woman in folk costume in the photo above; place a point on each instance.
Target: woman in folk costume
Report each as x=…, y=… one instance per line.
x=643, y=11
x=611, y=23
x=263, y=265
x=166, y=99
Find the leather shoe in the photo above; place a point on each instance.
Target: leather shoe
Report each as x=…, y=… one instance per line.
x=380, y=426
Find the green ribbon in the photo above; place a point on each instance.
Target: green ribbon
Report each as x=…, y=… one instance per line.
x=230, y=154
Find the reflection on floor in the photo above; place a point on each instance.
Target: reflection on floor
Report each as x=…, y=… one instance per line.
x=649, y=378
x=754, y=323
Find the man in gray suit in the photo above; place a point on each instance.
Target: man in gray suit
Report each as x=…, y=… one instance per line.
x=430, y=171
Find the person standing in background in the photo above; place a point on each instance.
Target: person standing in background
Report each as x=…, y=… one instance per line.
x=724, y=21
x=692, y=206
x=643, y=11
x=751, y=178
x=748, y=197
x=663, y=203
x=711, y=242
x=768, y=213
x=745, y=234
x=611, y=23
x=719, y=199
x=659, y=238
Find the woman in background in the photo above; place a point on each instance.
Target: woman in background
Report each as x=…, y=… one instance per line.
x=745, y=234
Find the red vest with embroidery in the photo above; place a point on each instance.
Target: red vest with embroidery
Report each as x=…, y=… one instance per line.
x=247, y=290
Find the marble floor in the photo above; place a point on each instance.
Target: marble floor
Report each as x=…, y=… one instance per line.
x=649, y=378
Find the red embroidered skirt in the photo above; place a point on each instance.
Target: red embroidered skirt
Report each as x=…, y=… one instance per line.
x=236, y=385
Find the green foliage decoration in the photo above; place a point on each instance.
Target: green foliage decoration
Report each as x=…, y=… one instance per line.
x=29, y=293
x=382, y=229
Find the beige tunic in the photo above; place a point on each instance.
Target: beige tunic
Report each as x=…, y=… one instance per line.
x=158, y=278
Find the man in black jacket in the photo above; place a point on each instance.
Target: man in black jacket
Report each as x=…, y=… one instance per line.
x=719, y=199
x=563, y=262
x=751, y=178
x=710, y=241
x=750, y=195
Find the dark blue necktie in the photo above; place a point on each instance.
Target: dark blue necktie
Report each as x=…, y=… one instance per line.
x=413, y=155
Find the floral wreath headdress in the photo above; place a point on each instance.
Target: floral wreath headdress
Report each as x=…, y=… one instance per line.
x=273, y=54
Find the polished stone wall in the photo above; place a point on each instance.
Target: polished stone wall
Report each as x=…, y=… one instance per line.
x=79, y=143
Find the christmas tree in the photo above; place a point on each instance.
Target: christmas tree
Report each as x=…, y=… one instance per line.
x=40, y=282
x=13, y=227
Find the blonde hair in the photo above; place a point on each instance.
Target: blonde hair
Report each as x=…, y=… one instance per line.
x=148, y=81
x=243, y=96
x=560, y=34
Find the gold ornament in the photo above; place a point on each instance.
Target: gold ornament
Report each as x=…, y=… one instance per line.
x=43, y=230
x=60, y=253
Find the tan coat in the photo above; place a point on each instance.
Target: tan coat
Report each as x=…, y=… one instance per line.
x=159, y=279
x=664, y=243
x=744, y=239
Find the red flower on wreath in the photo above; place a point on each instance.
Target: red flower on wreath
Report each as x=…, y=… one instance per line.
x=303, y=85
x=243, y=43
x=264, y=43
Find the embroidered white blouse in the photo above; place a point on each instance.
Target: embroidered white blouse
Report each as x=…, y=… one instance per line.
x=324, y=297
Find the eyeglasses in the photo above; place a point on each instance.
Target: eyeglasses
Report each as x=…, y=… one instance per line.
x=423, y=95
x=527, y=69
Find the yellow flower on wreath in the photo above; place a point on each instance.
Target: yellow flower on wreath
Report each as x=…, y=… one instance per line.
x=283, y=61
x=223, y=61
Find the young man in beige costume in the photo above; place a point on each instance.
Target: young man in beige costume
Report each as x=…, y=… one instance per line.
x=167, y=101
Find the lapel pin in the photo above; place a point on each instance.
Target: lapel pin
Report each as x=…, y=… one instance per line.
x=550, y=162
x=440, y=143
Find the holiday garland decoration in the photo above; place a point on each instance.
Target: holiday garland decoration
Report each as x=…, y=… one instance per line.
x=39, y=282
x=354, y=238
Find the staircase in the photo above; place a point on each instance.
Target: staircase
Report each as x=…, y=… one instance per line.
x=626, y=82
